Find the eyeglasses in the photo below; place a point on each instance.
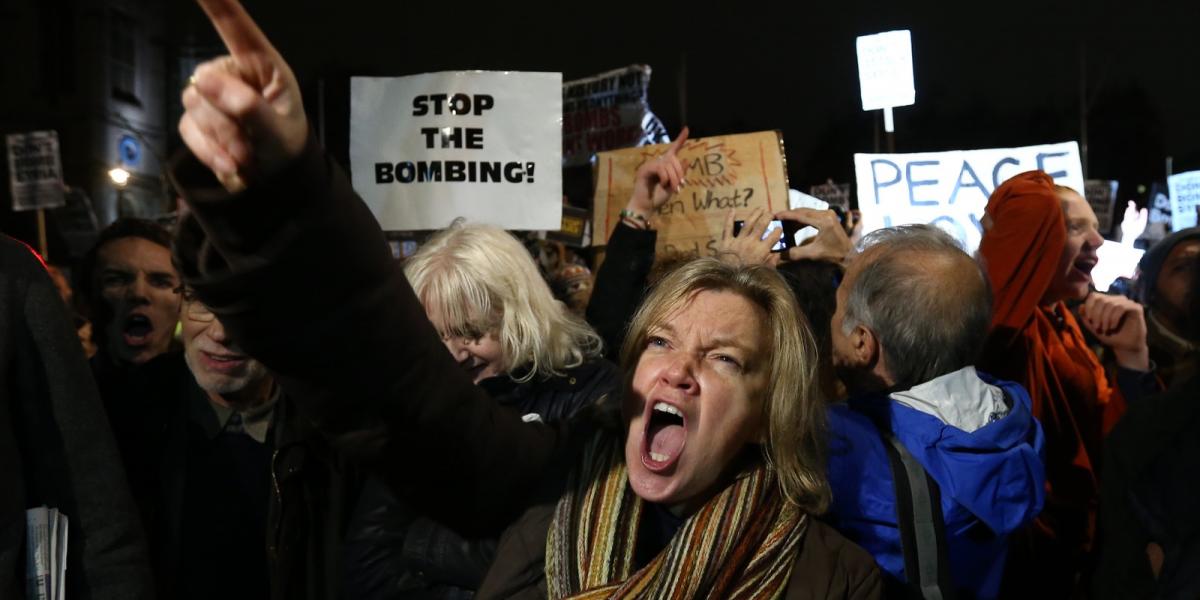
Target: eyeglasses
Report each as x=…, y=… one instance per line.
x=193, y=308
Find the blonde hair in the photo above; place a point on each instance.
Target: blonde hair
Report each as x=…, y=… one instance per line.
x=480, y=280
x=793, y=410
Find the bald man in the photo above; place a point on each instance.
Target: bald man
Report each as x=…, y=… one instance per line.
x=932, y=463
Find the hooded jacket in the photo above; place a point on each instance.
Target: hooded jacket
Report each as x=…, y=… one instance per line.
x=975, y=436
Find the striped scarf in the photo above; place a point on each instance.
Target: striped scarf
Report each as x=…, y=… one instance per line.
x=741, y=544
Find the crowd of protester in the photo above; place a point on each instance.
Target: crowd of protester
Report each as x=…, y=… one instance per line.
x=278, y=408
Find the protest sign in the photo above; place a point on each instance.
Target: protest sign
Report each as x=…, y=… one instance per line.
x=950, y=189
x=35, y=171
x=426, y=149
x=836, y=194
x=739, y=172
x=1101, y=194
x=1185, y=198
x=574, y=227
x=885, y=69
x=606, y=112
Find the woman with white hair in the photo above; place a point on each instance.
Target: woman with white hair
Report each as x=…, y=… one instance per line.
x=501, y=323
x=498, y=318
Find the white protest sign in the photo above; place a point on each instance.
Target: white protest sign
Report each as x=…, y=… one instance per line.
x=951, y=189
x=426, y=149
x=1185, y=197
x=885, y=69
x=35, y=171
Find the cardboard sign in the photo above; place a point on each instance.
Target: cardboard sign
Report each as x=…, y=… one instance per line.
x=951, y=189
x=1185, y=197
x=426, y=149
x=1101, y=194
x=739, y=172
x=885, y=69
x=35, y=171
x=606, y=112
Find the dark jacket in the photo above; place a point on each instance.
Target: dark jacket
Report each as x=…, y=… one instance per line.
x=393, y=396
x=393, y=551
x=56, y=448
x=309, y=495
x=1148, y=496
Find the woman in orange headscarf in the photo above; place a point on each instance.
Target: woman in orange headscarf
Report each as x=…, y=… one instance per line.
x=1039, y=247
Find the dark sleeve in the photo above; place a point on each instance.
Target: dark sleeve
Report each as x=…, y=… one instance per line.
x=620, y=284
x=1134, y=385
x=69, y=458
x=391, y=552
x=299, y=273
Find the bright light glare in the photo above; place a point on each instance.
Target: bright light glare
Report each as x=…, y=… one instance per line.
x=119, y=176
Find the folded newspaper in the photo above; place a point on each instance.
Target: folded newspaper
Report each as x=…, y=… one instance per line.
x=46, y=553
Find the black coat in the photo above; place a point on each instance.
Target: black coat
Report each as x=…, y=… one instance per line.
x=393, y=551
x=55, y=445
x=311, y=491
x=1148, y=496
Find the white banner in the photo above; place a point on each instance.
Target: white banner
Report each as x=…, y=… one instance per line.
x=951, y=189
x=35, y=170
x=1185, y=197
x=426, y=149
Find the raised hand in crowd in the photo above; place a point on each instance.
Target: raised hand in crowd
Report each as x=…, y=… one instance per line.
x=1134, y=223
x=244, y=117
x=1120, y=324
x=831, y=243
x=655, y=183
x=748, y=246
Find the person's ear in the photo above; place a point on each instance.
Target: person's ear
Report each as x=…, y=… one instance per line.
x=864, y=346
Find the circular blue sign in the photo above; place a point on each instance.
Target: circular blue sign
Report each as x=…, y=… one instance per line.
x=129, y=150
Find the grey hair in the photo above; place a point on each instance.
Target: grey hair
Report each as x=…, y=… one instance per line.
x=927, y=325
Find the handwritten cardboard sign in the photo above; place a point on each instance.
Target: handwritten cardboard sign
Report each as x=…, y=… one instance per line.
x=739, y=172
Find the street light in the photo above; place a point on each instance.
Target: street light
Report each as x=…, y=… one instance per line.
x=119, y=176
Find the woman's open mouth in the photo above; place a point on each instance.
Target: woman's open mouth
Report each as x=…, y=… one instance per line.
x=1081, y=269
x=664, y=437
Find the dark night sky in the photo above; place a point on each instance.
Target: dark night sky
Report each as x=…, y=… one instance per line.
x=987, y=75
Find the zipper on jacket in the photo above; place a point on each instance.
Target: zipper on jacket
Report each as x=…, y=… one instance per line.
x=274, y=548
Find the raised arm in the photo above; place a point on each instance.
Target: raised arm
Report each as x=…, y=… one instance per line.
x=629, y=256
x=288, y=256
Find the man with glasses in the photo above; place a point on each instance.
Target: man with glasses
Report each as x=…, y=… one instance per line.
x=241, y=499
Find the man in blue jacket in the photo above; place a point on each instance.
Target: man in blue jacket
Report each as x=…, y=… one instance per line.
x=922, y=428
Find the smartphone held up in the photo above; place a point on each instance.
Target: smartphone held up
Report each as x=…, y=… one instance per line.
x=788, y=240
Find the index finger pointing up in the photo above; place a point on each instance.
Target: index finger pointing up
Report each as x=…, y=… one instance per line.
x=678, y=143
x=239, y=32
